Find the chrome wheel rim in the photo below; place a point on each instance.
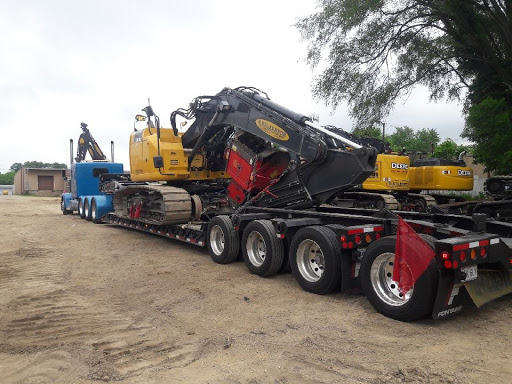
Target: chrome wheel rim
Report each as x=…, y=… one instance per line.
x=217, y=241
x=310, y=260
x=381, y=277
x=81, y=208
x=93, y=211
x=86, y=209
x=256, y=248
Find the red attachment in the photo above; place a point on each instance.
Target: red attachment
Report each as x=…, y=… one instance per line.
x=132, y=211
x=251, y=172
x=137, y=211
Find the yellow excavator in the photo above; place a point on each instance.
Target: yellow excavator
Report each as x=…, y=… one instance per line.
x=388, y=186
x=396, y=183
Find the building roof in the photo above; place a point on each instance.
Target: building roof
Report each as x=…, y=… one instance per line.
x=45, y=169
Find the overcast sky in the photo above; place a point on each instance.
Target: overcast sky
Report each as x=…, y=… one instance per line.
x=64, y=62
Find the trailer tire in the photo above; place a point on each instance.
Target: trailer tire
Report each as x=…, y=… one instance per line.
x=320, y=274
x=87, y=210
x=63, y=208
x=262, y=251
x=382, y=292
x=81, y=211
x=222, y=240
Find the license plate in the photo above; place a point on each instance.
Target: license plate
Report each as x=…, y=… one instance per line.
x=471, y=273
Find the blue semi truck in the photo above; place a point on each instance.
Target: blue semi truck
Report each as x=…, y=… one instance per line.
x=85, y=195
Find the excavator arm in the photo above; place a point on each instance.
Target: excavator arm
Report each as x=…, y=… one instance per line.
x=315, y=171
x=86, y=143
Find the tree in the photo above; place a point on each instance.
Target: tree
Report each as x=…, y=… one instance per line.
x=449, y=150
x=36, y=164
x=374, y=132
x=489, y=124
x=7, y=178
x=419, y=141
x=376, y=51
x=16, y=167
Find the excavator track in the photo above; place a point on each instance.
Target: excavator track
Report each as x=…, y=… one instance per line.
x=373, y=200
x=420, y=202
x=154, y=204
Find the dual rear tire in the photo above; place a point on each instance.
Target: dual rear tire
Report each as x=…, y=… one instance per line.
x=315, y=260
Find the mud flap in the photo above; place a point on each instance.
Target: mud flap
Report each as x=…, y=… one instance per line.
x=489, y=285
x=448, y=300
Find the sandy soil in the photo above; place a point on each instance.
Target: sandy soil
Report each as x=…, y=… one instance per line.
x=85, y=303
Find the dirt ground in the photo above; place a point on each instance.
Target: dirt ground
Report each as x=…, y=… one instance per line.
x=85, y=303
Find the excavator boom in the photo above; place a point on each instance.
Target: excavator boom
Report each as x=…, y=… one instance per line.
x=86, y=143
x=256, y=123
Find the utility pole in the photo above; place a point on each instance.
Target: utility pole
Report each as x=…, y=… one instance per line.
x=383, y=131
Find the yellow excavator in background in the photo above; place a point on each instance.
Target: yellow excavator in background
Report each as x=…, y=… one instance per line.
x=396, y=183
x=388, y=186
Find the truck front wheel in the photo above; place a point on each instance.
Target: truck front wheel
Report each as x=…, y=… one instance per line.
x=382, y=291
x=63, y=208
x=222, y=240
x=262, y=250
x=315, y=260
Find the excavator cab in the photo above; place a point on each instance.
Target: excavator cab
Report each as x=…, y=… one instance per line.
x=158, y=154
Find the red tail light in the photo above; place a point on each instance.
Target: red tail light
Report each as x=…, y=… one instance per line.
x=445, y=255
x=483, y=252
x=462, y=256
x=358, y=239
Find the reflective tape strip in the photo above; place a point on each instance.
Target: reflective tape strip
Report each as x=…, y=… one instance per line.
x=364, y=230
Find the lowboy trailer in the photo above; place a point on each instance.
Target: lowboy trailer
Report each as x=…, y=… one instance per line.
x=333, y=249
